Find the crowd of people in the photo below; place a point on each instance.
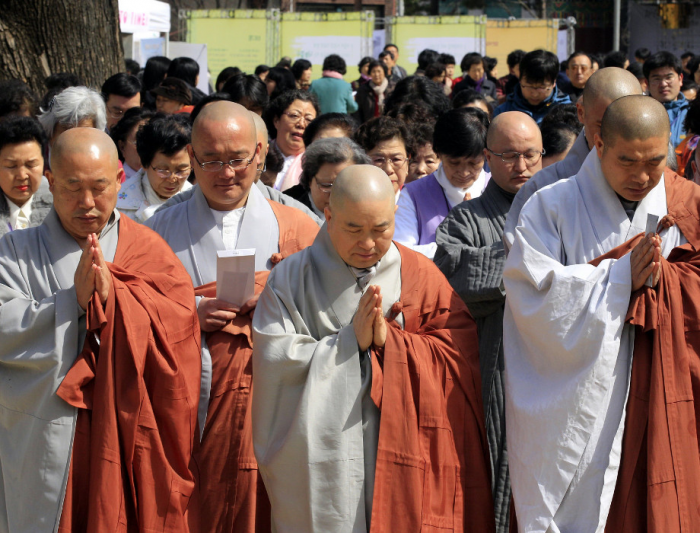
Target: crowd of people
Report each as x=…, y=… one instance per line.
x=473, y=308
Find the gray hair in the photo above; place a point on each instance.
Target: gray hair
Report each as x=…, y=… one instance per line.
x=331, y=150
x=72, y=106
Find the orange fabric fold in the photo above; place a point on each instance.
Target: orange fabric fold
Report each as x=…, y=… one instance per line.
x=137, y=390
x=233, y=496
x=432, y=470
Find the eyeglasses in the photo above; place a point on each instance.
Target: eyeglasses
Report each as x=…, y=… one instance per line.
x=582, y=68
x=115, y=113
x=531, y=157
x=233, y=164
x=324, y=187
x=395, y=162
x=296, y=117
x=164, y=173
x=658, y=80
x=537, y=88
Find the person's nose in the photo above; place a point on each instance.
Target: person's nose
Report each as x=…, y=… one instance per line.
x=87, y=201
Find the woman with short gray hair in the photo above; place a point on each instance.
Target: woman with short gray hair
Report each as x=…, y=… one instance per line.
x=74, y=107
x=321, y=163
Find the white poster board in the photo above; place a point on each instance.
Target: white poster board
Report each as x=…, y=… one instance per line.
x=198, y=52
x=378, y=41
x=144, y=15
x=563, y=45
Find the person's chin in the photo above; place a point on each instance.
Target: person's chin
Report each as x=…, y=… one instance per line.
x=363, y=260
x=635, y=195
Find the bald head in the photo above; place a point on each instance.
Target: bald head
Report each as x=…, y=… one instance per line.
x=634, y=118
x=223, y=113
x=260, y=129
x=88, y=142
x=609, y=84
x=361, y=183
x=510, y=122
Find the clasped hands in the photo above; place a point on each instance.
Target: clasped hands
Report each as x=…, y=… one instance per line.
x=369, y=324
x=645, y=261
x=214, y=314
x=92, y=274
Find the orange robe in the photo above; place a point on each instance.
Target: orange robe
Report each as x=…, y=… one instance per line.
x=432, y=471
x=137, y=391
x=658, y=485
x=233, y=497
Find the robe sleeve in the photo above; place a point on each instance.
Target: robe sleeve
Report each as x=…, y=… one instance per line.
x=406, y=231
x=474, y=271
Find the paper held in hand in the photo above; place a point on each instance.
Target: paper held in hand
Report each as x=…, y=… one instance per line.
x=235, y=275
x=652, y=223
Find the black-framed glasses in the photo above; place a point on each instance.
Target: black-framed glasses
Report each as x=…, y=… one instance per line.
x=531, y=157
x=233, y=164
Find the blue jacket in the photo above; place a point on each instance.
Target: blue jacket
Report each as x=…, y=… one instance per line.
x=677, y=110
x=516, y=102
x=334, y=95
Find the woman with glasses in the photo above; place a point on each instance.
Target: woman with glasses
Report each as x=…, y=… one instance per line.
x=124, y=136
x=459, y=141
x=287, y=118
x=321, y=164
x=161, y=145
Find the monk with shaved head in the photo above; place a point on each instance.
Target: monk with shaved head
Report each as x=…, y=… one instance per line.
x=367, y=412
x=228, y=212
x=602, y=284
x=602, y=88
x=99, y=360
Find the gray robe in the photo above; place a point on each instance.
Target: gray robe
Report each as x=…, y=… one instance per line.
x=42, y=202
x=42, y=328
x=315, y=426
x=567, y=167
x=267, y=192
x=470, y=254
x=190, y=230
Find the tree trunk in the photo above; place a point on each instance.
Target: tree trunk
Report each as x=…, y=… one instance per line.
x=43, y=37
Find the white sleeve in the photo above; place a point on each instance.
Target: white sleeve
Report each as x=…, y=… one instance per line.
x=406, y=231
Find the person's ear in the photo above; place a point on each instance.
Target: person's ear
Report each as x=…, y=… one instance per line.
x=580, y=112
x=599, y=145
x=327, y=214
x=120, y=178
x=50, y=178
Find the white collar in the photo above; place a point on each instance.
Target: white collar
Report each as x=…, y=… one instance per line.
x=455, y=195
x=15, y=209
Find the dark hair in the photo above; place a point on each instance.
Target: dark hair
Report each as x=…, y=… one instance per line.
x=380, y=129
x=185, y=68
x=208, y=99
x=469, y=96
x=422, y=134
x=384, y=54
x=556, y=137
x=56, y=83
x=418, y=88
x=692, y=118
x=563, y=114
x=327, y=121
x=693, y=65
x=132, y=67
x=247, y=86
x=434, y=70
x=299, y=67
x=539, y=66
x=615, y=59
x=689, y=85
x=391, y=45
x=578, y=54
x=459, y=133
x=280, y=104
x=261, y=69
x=379, y=64
x=16, y=96
x=121, y=84
x=120, y=131
x=447, y=59
x=660, y=60
x=154, y=72
x=335, y=63
x=17, y=130
x=285, y=62
x=274, y=161
x=472, y=58
x=597, y=59
x=416, y=112
x=225, y=75
x=284, y=81
x=642, y=53
x=687, y=54
x=636, y=69
x=515, y=57
x=364, y=61
x=426, y=57
x=490, y=63
x=164, y=133
x=334, y=151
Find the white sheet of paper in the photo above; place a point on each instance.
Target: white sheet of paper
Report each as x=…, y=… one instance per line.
x=235, y=275
x=652, y=224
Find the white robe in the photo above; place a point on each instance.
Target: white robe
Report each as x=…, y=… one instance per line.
x=138, y=200
x=568, y=352
x=42, y=330
x=315, y=426
x=191, y=231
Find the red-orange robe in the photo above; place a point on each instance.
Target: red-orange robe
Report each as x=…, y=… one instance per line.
x=658, y=485
x=432, y=471
x=137, y=392
x=233, y=497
